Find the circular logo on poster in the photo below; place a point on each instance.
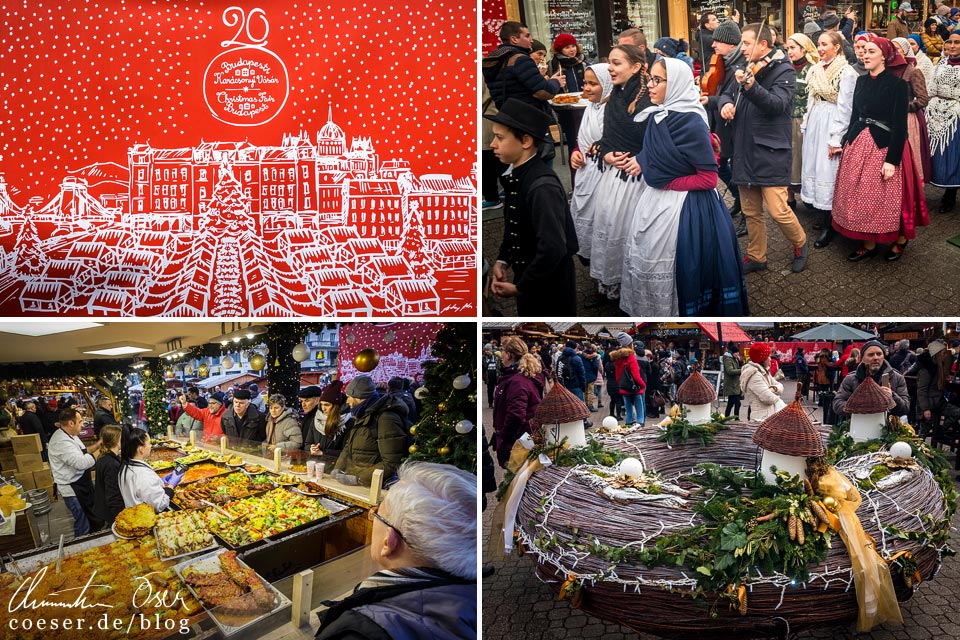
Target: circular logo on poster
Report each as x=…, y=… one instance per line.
x=246, y=86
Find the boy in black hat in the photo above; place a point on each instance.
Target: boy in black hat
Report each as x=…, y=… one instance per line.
x=539, y=239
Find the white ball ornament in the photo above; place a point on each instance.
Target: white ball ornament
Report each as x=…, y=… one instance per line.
x=300, y=352
x=464, y=426
x=610, y=422
x=631, y=467
x=462, y=382
x=227, y=362
x=901, y=450
x=421, y=393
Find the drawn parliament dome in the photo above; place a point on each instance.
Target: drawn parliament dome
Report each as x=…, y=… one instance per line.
x=331, y=141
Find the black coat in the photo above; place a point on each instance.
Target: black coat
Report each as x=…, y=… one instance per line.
x=573, y=70
x=252, y=426
x=510, y=72
x=107, y=499
x=885, y=99
x=101, y=419
x=539, y=241
x=330, y=445
x=31, y=423
x=762, y=128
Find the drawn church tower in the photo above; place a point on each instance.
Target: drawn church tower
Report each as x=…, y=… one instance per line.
x=331, y=141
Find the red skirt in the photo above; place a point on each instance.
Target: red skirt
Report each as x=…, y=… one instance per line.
x=867, y=207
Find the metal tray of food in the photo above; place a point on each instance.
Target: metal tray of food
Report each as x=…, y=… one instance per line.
x=227, y=616
x=210, y=547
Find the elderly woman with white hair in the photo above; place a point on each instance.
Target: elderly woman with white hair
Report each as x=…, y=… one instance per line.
x=424, y=540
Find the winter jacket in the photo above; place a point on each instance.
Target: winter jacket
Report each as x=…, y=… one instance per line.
x=515, y=400
x=933, y=43
x=251, y=426
x=444, y=608
x=571, y=371
x=898, y=384
x=929, y=394
x=31, y=423
x=331, y=446
x=107, y=500
x=407, y=398
x=591, y=366
x=510, y=72
x=902, y=360
x=186, y=424
x=101, y=418
x=626, y=357
x=760, y=391
x=704, y=39
x=731, y=376
x=762, y=127
x=284, y=431
x=211, y=421
x=573, y=70
x=378, y=440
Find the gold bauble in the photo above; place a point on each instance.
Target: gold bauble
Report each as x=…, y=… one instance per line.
x=444, y=451
x=831, y=503
x=203, y=370
x=442, y=407
x=257, y=362
x=413, y=448
x=413, y=430
x=366, y=360
x=168, y=373
x=28, y=386
x=147, y=373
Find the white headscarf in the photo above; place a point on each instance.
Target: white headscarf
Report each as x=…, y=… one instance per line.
x=682, y=94
x=591, y=127
x=905, y=47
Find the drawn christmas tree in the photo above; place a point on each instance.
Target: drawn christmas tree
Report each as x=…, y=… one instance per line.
x=412, y=245
x=31, y=259
x=227, y=218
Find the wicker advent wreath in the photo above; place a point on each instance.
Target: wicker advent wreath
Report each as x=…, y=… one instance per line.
x=562, y=505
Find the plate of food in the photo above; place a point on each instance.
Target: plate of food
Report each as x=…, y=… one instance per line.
x=234, y=461
x=286, y=479
x=161, y=465
x=196, y=456
x=254, y=469
x=134, y=522
x=298, y=469
x=569, y=100
x=309, y=489
x=182, y=533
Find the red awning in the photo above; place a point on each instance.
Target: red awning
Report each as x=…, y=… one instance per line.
x=731, y=331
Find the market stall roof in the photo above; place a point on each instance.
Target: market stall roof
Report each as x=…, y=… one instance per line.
x=226, y=378
x=595, y=328
x=731, y=331
x=499, y=325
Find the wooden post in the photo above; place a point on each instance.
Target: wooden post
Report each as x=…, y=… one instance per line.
x=376, y=486
x=223, y=445
x=302, y=598
x=276, y=459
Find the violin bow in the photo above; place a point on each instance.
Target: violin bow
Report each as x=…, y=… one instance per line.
x=752, y=51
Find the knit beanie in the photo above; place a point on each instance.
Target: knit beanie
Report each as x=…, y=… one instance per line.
x=624, y=339
x=811, y=28
x=669, y=46
x=871, y=343
x=563, y=40
x=333, y=393
x=759, y=352
x=728, y=33
x=361, y=388
x=831, y=20
x=537, y=46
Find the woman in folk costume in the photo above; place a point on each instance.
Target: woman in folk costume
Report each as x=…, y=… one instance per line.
x=924, y=63
x=586, y=159
x=916, y=122
x=682, y=256
x=943, y=123
x=830, y=85
x=803, y=55
x=620, y=185
x=879, y=195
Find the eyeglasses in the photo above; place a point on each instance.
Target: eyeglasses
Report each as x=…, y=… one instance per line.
x=655, y=80
x=371, y=514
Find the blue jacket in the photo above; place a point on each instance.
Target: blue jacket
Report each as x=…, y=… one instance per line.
x=591, y=367
x=576, y=363
x=510, y=72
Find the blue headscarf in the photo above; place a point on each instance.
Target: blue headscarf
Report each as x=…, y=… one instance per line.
x=916, y=38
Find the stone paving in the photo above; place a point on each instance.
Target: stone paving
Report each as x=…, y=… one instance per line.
x=925, y=282
x=518, y=606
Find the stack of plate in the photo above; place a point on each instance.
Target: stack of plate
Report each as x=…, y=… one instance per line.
x=40, y=500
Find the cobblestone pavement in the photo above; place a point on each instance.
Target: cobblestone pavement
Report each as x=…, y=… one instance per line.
x=518, y=606
x=925, y=282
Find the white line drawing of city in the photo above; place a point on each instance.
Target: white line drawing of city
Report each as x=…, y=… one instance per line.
x=230, y=229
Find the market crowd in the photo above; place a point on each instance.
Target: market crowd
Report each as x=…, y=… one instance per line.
x=633, y=381
x=847, y=123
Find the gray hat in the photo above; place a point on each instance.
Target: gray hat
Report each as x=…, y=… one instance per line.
x=831, y=20
x=811, y=28
x=727, y=32
x=905, y=7
x=361, y=388
x=936, y=347
x=624, y=339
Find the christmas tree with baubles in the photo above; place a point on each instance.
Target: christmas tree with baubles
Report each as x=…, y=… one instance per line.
x=445, y=432
x=154, y=398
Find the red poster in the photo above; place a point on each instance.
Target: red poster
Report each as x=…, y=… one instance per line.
x=211, y=158
x=403, y=347
x=494, y=15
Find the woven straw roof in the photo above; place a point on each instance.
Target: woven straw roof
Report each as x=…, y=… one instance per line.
x=868, y=398
x=789, y=432
x=559, y=406
x=696, y=390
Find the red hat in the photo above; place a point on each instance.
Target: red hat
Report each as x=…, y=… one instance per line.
x=759, y=352
x=563, y=40
x=53, y=404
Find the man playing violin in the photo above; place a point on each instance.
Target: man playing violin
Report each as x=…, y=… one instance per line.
x=728, y=54
x=758, y=105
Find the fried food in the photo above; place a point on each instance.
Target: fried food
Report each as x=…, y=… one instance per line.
x=201, y=471
x=223, y=589
x=310, y=487
x=8, y=490
x=571, y=98
x=218, y=490
x=136, y=521
x=11, y=503
x=298, y=468
x=253, y=468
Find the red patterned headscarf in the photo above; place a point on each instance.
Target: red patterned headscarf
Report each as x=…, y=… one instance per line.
x=893, y=58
